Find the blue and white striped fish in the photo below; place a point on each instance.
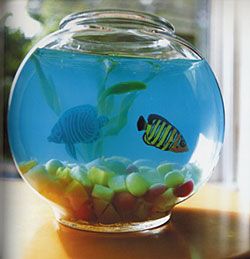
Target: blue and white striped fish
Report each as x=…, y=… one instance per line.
x=161, y=134
x=79, y=124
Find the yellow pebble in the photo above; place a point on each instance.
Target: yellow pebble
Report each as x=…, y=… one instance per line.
x=24, y=167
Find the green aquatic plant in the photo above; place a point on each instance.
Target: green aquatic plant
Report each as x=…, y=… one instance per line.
x=109, y=66
x=92, y=150
x=106, y=101
x=120, y=88
x=47, y=87
x=125, y=87
x=119, y=122
x=109, y=105
x=106, y=97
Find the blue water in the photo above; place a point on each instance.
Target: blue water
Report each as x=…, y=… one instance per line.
x=185, y=92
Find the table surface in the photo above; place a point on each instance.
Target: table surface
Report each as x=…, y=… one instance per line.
x=214, y=223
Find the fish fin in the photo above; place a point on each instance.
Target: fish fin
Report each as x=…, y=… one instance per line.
x=103, y=121
x=70, y=148
x=153, y=117
x=98, y=148
x=141, y=123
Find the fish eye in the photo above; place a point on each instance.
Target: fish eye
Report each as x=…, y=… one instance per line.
x=58, y=134
x=182, y=143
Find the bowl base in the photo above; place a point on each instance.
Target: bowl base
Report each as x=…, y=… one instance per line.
x=115, y=228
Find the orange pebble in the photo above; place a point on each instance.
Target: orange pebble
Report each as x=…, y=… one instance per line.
x=85, y=212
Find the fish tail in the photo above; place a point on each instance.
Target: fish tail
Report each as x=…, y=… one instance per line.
x=50, y=138
x=71, y=150
x=141, y=124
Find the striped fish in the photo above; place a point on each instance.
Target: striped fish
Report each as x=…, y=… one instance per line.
x=161, y=134
x=79, y=124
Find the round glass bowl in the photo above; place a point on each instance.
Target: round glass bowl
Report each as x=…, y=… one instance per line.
x=114, y=119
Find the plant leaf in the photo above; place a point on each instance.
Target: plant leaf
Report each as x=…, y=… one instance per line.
x=121, y=119
x=121, y=88
x=48, y=88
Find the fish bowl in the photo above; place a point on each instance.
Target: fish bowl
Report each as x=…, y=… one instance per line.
x=113, y=119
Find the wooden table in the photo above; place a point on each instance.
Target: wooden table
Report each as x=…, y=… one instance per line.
x=212, y=224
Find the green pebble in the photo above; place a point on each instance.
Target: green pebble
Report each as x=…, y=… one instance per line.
x=52, y=166
x=83, y=167
x=174, y=179
x=115, y=165
x=148, y=173
x=136, y=184
x=64, y=174
x=192, y=171
x=118, y=183
x=99, y=175
x=121, y=159
x=24, y=167
x=163, y=169
x=97, y=162
x=143, y=162
x=169, y=197
x=151, y=176
x=79, y=174
x=165, y=201
x=144, y=169
x=71, y=165
x=38, y=169
x=76, y=170
x=102, y=192
x=132, y=168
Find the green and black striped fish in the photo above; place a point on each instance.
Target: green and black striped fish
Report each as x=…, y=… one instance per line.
x=161, y=134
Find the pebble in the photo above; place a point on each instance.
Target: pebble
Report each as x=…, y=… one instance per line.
x=26, y=166
x=115, y=165
x=96, y=162
x=79, y=174
x=143, y=162
x=121, y=159
x=165, y=201
x=102, y=192
x=154, y=191
x=173, y=179
x=64, y=175
x=165, y=168
x=117, y=183
x=124, y=201
x=38, y=169
x=131, y=169
x=52, y=166
x=99, y=175
x=184, y=190
x=145, y=169
x=136, y=184
x=191, y=171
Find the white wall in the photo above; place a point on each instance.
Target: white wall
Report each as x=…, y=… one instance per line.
x=230, y=59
